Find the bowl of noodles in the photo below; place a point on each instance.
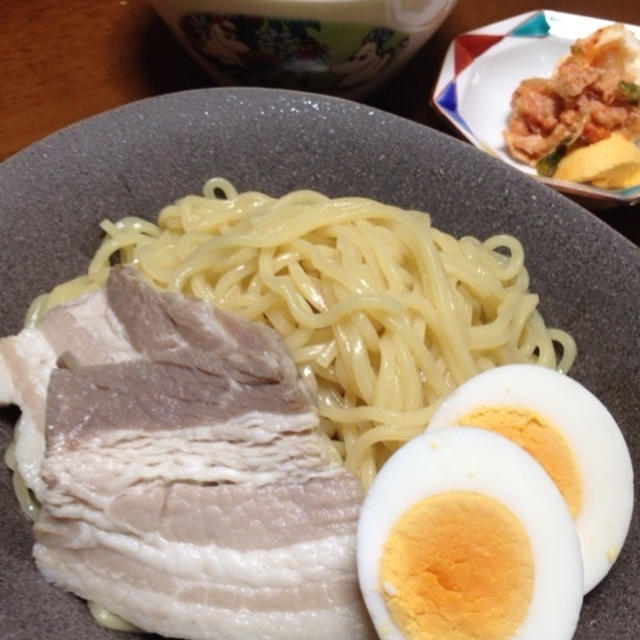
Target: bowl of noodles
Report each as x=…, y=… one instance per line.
x=395, y=262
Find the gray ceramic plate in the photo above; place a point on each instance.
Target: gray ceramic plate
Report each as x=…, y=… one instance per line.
x=137, y=158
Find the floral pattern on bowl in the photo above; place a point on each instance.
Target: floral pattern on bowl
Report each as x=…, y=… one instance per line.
x=483, y=67
x=293, y=53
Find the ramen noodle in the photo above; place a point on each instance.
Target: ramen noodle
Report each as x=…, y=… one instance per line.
x=383, y=313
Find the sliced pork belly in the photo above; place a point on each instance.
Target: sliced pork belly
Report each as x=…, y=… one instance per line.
x=185, y=485
x=86, y=327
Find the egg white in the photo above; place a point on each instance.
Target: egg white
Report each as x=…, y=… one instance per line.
x=592, y=434
x=481, y=461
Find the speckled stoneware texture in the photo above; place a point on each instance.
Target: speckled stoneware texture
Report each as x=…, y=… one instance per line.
x=137, y=158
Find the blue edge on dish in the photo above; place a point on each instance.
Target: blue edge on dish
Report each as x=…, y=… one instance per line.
x=534, y=27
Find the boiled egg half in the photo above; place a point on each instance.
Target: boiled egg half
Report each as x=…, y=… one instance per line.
x=462, y=535
x=571, y=434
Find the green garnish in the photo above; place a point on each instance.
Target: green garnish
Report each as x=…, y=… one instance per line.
x=547, y=165
x=576, y=50
x=631, y=90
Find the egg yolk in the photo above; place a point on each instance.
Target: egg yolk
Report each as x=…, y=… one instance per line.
x=457, y=565
x=538, y=438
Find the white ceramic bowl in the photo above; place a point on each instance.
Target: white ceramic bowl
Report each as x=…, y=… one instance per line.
x=483, y=67
x=343, y=47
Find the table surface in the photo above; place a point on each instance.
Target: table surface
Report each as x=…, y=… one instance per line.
x=64, y=61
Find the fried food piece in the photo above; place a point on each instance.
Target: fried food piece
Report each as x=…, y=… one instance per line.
x=593, y=92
